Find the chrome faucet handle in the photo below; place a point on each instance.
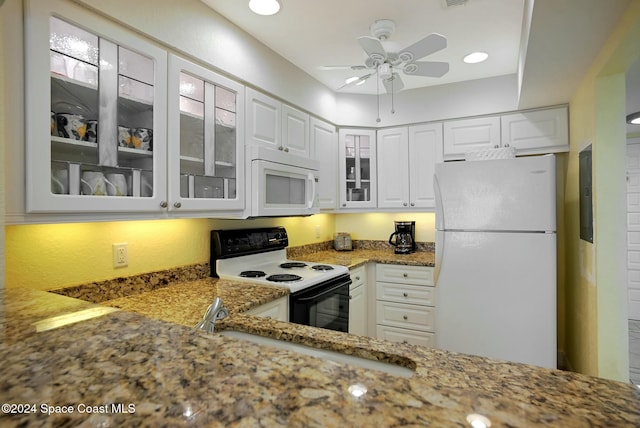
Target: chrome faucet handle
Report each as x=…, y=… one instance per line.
x=216, y=311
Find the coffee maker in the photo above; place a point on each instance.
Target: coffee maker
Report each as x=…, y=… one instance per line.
x=405, y=234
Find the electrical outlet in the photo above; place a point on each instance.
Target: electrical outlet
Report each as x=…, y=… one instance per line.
x=120, y=255
x=317, y=230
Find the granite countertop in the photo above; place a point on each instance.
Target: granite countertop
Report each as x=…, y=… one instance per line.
x=140, y=354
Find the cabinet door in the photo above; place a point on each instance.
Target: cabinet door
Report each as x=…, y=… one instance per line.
x=462, y=136
x=324, y=139
x=263, y=125
x=357, y=168
x=540, y=131
x=358, y=311
x=206, y=154
x=393, y=168
x=104, y=90
x=425, y=149
x=402, y=335
x=295, y=131
x=277, y=309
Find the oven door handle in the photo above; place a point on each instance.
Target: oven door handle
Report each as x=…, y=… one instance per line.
x=315, y=296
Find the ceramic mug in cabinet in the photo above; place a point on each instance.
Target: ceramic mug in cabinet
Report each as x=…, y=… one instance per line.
x=95, y=183
x=59, y=181
x=72, y=126
x=142, y=138
x=119, y=185
x=92, y=131
x=124, y=136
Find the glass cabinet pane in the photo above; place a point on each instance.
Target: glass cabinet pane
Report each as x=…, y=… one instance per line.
x=208, y=140
x=358, y=167
x=101, y=116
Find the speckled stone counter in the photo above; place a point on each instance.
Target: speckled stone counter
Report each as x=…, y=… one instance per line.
x=120, y=368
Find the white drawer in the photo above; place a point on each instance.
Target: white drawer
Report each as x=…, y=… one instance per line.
x=406, y=316
x=358, y=277
x=277, y=309
x=401, y=293
x=401, y=274
x=403, y=335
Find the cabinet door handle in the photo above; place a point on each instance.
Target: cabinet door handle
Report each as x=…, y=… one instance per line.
x=405, y=275
x=286, y=149
x=164, y=204
x=404, y=204
x=177, y=204
x=357, y=278
x=413, y=204
x=350, y=297
x=405, y=294
x=280, y=148
x=405, y=341
x=404, y=317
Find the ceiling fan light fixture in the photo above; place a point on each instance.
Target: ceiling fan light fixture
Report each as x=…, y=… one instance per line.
x=351, y=79
x=361, y=82
x=264, y=7
x=476, y=57
x=634, y=118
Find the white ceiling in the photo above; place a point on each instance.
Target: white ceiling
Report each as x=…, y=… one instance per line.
x=564, y=39
x=311, y=34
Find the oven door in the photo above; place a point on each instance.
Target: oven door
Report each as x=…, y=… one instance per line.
x=324, y=305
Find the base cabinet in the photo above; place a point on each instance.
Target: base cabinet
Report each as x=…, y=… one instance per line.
x=358, y=302
x=277, y=310
x=405, y=304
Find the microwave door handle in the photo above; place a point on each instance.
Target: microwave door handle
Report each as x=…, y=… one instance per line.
x=312, y=195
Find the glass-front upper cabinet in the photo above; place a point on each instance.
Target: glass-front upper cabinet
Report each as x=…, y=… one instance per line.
x=103, y=89
x=357, y=168
x=206, y=143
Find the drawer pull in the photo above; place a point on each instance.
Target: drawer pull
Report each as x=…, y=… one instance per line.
x=405, y=294
x=406, y=342
x=404, y=317
x=357, y=278
x=405, y=275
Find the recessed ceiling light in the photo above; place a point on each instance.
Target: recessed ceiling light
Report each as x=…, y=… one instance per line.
x=475, y=57
x=264, y=7
x=634, y=118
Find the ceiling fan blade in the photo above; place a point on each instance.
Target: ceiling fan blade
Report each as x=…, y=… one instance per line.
x=373, y=48
x=426, y=69
x=393, y=84
x=355, y=82
x=341, y=67
x=428, y=45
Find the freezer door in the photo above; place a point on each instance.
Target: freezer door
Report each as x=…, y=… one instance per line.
x=496, y=295
x=507, y=194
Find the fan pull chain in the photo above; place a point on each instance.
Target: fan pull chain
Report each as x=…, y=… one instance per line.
x=378, y=94
x=393, y=110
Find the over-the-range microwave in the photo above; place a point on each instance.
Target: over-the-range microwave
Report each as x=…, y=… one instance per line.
x=280, y=183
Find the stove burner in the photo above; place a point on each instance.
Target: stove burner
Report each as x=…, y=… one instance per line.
x=252, y=274
x=322, y=267
x=289, y=265
x=283, y=277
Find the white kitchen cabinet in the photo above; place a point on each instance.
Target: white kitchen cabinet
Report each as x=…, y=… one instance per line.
x=465, y=135
x=295, y=131
x=206, y=157
x=406, y=164
x=534, y=131
x=358, y=168
x=529, y=132
x=324, y=140
x=277, y=309
x=104, y=90
x=275, y=125
x=405, y=304
x=358, y=302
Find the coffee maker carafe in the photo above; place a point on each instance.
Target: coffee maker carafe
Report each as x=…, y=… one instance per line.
x=405, y=234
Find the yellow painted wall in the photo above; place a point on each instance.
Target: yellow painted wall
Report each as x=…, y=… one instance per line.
x=596, y=341
x=378, y=226
x=48, y=256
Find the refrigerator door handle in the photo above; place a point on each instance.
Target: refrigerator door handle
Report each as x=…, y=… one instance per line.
x=439, y=256
x=439, y=208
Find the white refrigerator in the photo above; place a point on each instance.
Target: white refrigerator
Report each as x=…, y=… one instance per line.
x=496, y=258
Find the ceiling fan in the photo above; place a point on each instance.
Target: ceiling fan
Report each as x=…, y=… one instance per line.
x=387, y=64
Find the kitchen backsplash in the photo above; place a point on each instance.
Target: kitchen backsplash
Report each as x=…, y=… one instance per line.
x=100, y=291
